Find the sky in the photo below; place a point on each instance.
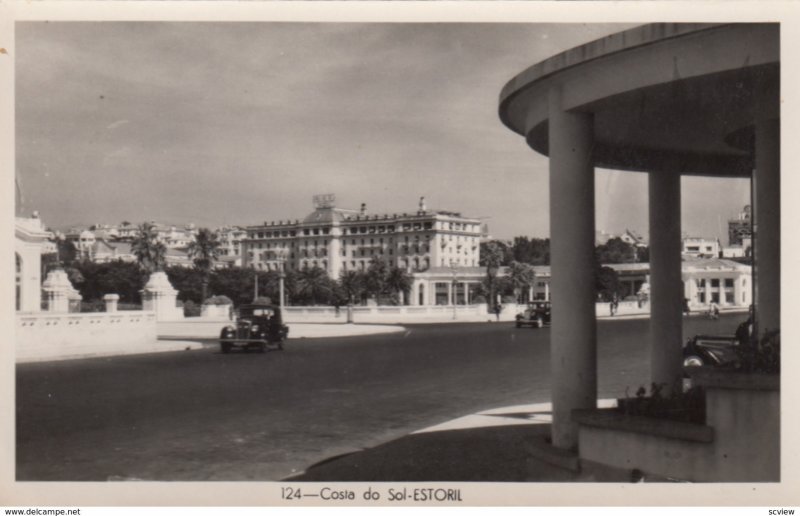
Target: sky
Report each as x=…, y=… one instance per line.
x=239, y=123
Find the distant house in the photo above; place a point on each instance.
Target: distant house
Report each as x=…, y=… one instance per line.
x=633, y=238
x=104, y=251
x=699, y=247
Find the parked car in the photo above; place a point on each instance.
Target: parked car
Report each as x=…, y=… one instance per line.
x=256, y=327
x=711, y=350
x=536, y=315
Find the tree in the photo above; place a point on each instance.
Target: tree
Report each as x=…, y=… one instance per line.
x=187, y=282
x=99, y=279
x=607, y=283
x=521, y=276
x=534, y=251
x=375, y=278
x=398, y=280
x=204, y=251
x=496, y=253
x=616, y=250
x=314, y=286
x=235, y=282
x=492, y=256
x=149, y=251
x=352, y=285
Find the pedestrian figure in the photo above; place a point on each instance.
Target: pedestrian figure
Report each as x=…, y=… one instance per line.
x=713, y=311
x=497, y=309
x=686, y=309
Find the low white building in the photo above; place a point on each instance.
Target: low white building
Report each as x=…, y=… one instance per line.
x=30, y=238
x=698, y=247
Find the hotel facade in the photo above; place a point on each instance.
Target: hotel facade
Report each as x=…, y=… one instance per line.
x=338, y=240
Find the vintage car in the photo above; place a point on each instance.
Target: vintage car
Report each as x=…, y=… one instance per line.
x=257, y=327
x=536, y=315
x=711, y=350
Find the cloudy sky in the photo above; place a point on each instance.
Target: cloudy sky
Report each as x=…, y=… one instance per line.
x=238, y=123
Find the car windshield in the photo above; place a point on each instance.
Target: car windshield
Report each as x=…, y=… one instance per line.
x=257, y=312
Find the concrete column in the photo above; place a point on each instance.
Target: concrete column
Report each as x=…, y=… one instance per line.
x=666, y=287
x=547, y=291
x=692, y=294
x=737, y=291
x=450, y=293
x=768, y=225
x=466, y=293
x=573, y=347
x=722, y=292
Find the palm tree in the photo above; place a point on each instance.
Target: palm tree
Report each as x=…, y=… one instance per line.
x=375, y=277
x=522, y=276
x=352, y=284
x=398, y=280
x=149, y=251
x=204, y=251
x=314, y=284
x=493, y=258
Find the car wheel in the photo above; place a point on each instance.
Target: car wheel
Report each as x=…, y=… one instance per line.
x=261, y=348
x=519, y=325
x=539, y=322
x=693, y=361
x=225, y=347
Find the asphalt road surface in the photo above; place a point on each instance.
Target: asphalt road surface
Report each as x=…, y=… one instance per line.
x=202, y=415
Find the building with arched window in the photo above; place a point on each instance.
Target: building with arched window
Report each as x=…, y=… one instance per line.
x=29, y=242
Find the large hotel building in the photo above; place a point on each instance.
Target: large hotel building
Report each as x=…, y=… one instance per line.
x=336, y=239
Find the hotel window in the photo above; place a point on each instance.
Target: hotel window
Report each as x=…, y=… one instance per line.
x=729, y=299
x=715, y=283
x=316, y=231
x=728, y=282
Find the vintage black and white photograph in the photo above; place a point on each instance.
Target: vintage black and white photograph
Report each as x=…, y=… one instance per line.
x=414, y=254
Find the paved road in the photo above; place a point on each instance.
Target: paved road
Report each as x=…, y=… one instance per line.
x=201, y=415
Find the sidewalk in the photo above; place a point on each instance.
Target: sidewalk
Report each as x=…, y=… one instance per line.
x=490, y=446
x=209, y=329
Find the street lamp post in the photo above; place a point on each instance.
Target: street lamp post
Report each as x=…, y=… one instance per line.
x=454, y=285
x=255, y=289
x=281, y=277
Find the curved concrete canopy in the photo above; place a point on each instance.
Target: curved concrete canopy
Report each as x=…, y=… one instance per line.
x=676, y=98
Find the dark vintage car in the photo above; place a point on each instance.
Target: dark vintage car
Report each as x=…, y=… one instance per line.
x=711, y=350
x=257, y=327
x=536, y=315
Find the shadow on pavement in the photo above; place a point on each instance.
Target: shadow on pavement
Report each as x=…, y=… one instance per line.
x=486, y=454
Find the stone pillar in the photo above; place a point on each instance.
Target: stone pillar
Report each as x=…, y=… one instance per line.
x=573, y=346
x=737, y=290
x=466, y=293
x=58, y=291
x=692, y=293
x=666, y=287
x=767, y=224
x=547, y=290
x=111, y=302
x=450, y=293
x=158, y=296
x=722, y=301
